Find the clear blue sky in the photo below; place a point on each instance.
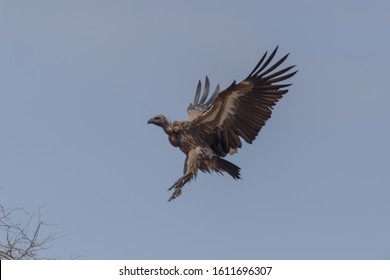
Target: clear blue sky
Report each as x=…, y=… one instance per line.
x=80, y=79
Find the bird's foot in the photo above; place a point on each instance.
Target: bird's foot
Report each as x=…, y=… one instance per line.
x=180, y=182
x=177, y=189
x=175, y=186
x=178, y=185
x=175, y=194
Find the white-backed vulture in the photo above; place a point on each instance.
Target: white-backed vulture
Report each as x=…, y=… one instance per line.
x=217, y=125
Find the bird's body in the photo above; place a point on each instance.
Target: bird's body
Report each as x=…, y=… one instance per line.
x=217, y=125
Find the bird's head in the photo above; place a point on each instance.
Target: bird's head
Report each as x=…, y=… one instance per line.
x=159, y=120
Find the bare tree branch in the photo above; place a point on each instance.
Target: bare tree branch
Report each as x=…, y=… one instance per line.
x=22, y=239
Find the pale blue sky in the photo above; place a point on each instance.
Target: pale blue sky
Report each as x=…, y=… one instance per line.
x=79, y=80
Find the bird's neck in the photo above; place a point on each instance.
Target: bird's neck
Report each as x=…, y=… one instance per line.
x=165, y=127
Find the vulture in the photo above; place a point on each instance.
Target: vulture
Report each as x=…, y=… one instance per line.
x=218, y=124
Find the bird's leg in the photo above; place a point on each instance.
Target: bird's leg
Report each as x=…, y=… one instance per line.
x=178, y=185
x=190, y=171
x=185, y=166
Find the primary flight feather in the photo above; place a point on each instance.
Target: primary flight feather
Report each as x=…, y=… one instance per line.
x=216, y=125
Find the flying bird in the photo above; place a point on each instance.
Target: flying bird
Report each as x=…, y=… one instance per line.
x=217, y=124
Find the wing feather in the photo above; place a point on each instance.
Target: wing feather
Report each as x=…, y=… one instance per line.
x=205, y=91
x=200, y=101
x=241, y=110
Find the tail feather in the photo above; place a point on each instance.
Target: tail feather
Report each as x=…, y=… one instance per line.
x=232, y=169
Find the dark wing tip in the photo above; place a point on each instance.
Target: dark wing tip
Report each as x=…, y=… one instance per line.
x=203, y=99
x=197, y=92
x=206, y=91
x=259, y=69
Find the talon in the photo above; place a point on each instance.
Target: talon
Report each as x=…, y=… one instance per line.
x=175, y=194
x=179, y=184
x=175, y=186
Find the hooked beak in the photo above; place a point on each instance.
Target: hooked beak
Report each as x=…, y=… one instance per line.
x=151, y=121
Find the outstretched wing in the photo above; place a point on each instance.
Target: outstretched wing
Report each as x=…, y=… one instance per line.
x=201, y=103
x=242, y=109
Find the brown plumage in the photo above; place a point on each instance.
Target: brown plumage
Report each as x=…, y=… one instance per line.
x=217, y=125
